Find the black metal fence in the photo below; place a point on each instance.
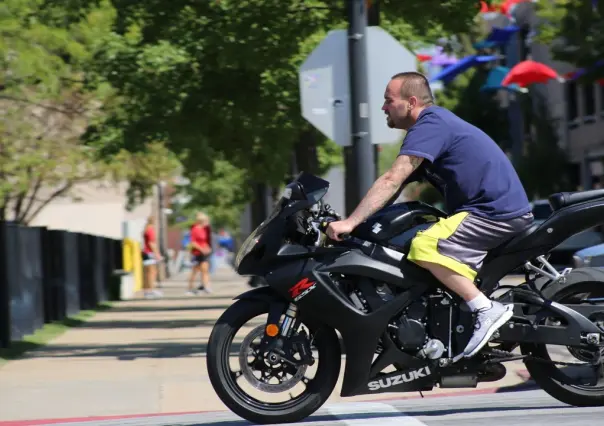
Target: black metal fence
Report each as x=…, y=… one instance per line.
x=48, y=275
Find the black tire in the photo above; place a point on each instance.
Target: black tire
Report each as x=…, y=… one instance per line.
x=545, y=374
x=317, y=392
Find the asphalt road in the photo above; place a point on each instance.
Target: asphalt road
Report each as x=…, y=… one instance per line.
x=531, y=407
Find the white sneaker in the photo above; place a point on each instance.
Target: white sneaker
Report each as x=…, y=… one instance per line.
x=486, y=323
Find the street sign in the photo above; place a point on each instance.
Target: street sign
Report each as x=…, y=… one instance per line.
x=325, y=84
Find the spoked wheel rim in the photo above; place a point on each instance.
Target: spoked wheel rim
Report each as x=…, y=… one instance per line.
x=250, y=363
x=270, y=366
x=588, y=371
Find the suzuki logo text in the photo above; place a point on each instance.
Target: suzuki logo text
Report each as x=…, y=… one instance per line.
x=400, y=379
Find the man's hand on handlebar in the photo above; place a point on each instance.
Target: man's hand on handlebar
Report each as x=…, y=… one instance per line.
x=338, y=229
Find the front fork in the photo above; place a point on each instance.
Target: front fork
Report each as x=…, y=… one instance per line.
x=291, y=321
x=279, y=338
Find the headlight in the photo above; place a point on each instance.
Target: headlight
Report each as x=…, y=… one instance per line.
x=248, y=245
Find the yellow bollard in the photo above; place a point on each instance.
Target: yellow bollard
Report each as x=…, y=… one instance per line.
x=133, y=262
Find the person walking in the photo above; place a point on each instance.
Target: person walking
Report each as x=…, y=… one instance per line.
x=151, y=257
x=201, y=250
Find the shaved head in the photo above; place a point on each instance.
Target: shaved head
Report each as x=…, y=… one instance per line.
x=415, y=84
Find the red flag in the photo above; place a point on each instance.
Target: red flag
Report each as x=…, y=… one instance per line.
x=529, y=72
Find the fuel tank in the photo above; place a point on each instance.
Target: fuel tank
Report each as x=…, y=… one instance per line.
x=396, y=224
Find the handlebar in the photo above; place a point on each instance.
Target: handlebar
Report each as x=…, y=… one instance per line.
x=324, y=223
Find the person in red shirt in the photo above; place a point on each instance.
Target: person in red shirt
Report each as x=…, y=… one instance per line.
x=151, y=257
x=201, y=249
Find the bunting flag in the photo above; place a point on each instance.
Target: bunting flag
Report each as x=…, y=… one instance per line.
x=449, y=73
x=530, y=72
x=497, y=37
x=487, y=7
x=423, y=58
x=507, y=7
x=495, y=79
x=441, y=59
x=579, y=72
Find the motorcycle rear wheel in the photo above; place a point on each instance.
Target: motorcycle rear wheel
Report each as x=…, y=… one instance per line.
x=579, y=282
x=244, y=405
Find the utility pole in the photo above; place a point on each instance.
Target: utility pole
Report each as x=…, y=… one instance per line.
x=161, y=219
x=516, y=119
x=359, y=163
x=373, y=20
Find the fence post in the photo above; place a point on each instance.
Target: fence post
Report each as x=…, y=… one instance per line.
x=31, y=267
x=4, y=290
x=71, y=266
x=53, y=263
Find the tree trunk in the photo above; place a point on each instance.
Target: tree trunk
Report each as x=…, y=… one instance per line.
x=307, y=159
x=258, y=205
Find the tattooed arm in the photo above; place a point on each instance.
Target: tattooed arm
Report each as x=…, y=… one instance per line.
x=385, y=187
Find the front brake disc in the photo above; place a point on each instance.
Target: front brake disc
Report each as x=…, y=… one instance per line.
x=270, y=372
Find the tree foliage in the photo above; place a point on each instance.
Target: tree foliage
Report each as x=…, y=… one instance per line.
x=47, y=101
x=213, y=82
x=574, y=30
x=219, y=79
x=221, y=192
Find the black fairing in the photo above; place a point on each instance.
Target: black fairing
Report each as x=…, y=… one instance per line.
x=328, y=304
x=390, y=224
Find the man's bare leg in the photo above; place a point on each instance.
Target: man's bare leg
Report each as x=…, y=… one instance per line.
x=490, y=316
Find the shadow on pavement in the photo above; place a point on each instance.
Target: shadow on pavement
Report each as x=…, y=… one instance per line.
x=524, y=386
x=147, y=324
x=221, y=297
x=127, y=352
x=168, y=308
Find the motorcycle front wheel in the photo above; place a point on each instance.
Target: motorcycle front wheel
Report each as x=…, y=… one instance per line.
x=251, y=389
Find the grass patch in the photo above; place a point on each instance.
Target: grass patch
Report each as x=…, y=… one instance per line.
x=47, y=333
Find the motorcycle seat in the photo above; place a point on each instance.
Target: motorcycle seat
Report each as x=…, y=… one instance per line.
x=564, y=199
x=514, y=243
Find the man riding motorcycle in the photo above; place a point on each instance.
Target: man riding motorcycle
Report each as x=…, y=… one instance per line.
x=484, y=197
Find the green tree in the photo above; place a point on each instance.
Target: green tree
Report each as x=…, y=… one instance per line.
x=219, y=80
x=573, y=30
x=227, y=72
x=47, y=100
x=221, y=192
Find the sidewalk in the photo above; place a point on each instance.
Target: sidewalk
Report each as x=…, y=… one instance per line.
x=141, y=357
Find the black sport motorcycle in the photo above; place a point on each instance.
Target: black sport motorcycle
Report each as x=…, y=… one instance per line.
x=393, y=315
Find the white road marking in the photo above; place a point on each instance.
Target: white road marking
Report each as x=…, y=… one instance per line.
x=371, y=414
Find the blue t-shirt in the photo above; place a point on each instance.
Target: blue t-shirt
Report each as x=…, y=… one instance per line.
x=466, y=165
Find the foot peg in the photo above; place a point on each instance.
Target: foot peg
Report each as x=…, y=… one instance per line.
x=445, y=362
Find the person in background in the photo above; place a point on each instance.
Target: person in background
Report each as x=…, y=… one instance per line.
x=201, y=250
x=151, y=257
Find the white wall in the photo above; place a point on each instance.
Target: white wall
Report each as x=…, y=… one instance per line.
x=101, y=211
